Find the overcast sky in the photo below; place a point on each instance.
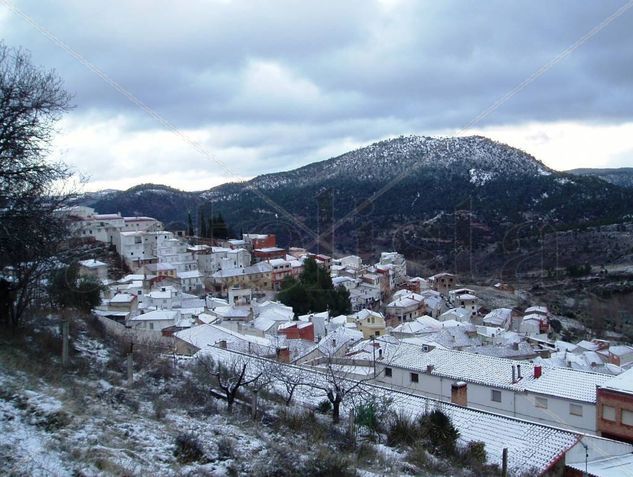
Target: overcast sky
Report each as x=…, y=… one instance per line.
x=268, y=85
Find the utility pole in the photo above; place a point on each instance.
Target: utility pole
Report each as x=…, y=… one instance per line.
x=504, y=462
x=130, y=368
x=65, y=334
x=373, y=348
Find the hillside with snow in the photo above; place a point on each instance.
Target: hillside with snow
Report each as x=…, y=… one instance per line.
x=425, y=196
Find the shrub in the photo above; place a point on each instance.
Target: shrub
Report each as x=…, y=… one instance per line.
x=402, y=431
x=440, y=432
x=327, y=463
x=297, y=420
x=226, y=448
x=474, y=455
x=160, y=407
x=188, y=449
x=324, y=406
x=366, y=416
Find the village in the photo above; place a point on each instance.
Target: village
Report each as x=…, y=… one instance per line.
x=435, y=338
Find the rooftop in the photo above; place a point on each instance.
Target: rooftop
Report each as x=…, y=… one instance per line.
x=497, y=372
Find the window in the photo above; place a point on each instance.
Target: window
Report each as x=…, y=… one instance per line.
x=627, y=417
x=495, y=396
x=151, y=326
x=575, y=409
x=541, y=402
x=608, y=413
x=387, y=372
x=415, y=378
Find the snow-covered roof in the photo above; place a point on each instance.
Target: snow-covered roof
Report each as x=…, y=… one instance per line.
x=131, y=278
x=620, y=350
x=269, y=249
x=92, y=263
x=206, y=318
x=203, y=336
x=157, y=315
x=310, y=316
x=277, y=262
x=231, y=312
x=498, y=317
x=497, y=372
x=622, y=383
x=467, y=296
x=260, y=267
x=537, y=309
x=123, y=298
x=404, y=302
x=422, y=324
x=533, y=317
x=263, y=324
x=588, y=345
x=462, y=314
x=190, y=274
x=365, y=313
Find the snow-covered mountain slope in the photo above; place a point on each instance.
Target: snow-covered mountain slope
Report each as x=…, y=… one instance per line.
x=403, y=192
x=622, y=176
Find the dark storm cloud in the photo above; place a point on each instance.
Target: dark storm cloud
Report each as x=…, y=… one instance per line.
x=289, y=78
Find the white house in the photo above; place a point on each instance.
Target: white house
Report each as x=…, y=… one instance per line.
x=156, y=320
x=191, y=281
x=499, y=317
x=557, y=397
x=94, y=269
x=458, y=314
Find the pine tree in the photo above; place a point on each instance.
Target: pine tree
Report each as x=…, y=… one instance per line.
x=190, y=232
x=202, y=224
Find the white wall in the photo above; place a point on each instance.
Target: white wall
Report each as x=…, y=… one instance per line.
x=513, y=403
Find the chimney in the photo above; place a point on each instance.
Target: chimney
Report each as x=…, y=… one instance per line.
x=514, y=375
x=333, y=342
x=538, y=370
x=379, y=353
x=519, y=377
x=283, y=354
x=515, y=346
x=459, y=393
x=222, y=344
x=430, y=368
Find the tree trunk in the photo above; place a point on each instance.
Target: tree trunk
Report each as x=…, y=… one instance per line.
x=336, y=414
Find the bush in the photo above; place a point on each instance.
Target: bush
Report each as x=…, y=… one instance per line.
x=297, y=420
x=474, y=455
x=160, y=407
x=438, y=429
x=327, y=463
x=366, y=416
x=324, y=406
x=226, y=448
x=402, y=431
x=188, y=449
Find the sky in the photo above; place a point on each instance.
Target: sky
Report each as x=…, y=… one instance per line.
x=193, y=94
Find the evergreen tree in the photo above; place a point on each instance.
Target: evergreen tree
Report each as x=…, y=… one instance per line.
x=202, y=224
x=68, y=290
x=190, y=232
x=314, y=292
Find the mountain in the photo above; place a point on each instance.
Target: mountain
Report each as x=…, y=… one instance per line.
x=165, y=203
x=622, y=176
x=440, y=199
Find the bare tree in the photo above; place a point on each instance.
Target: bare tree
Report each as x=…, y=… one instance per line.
x=289, y=378
x=339, y=387
x=31, y=102
x=231, y=375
